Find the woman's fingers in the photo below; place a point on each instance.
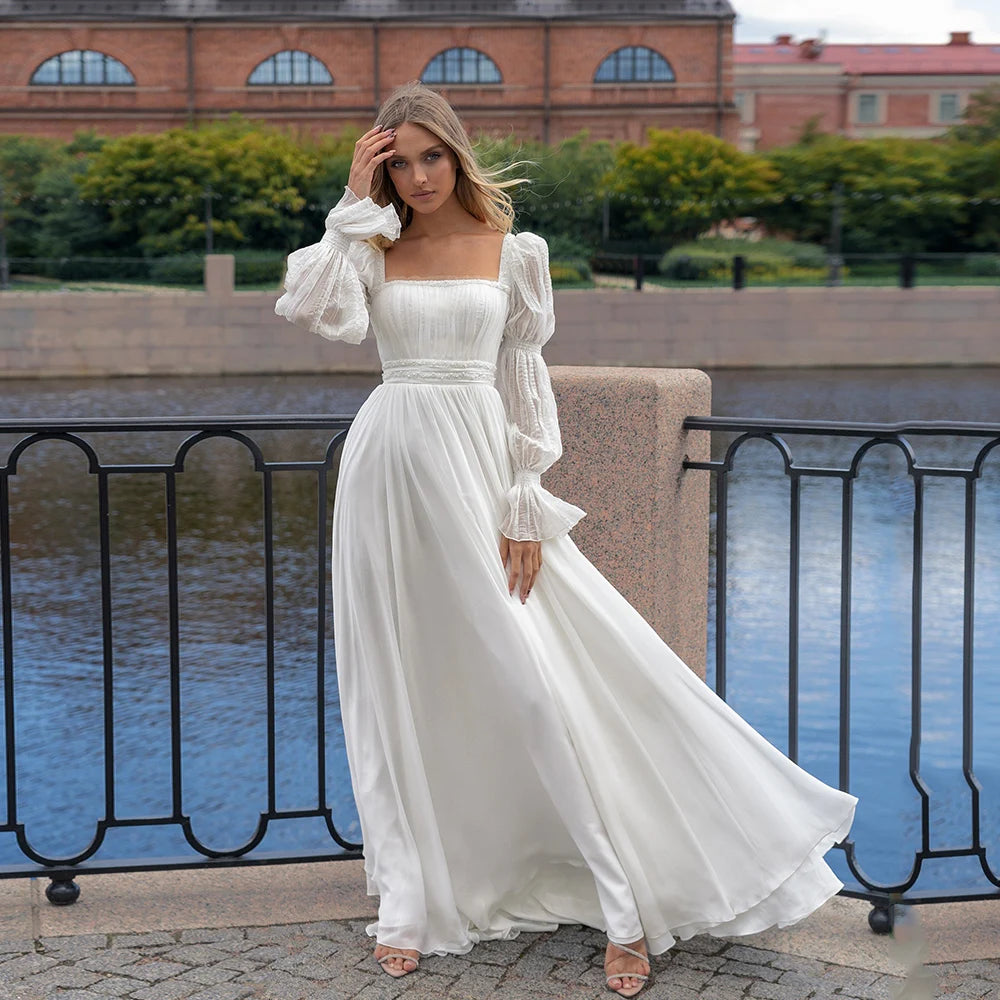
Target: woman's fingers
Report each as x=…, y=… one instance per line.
x=515, y=567
x=525, y=562
x=369, y=152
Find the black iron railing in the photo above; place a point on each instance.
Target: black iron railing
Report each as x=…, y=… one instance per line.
x=187, y=433
x=982, y=439
x=179, y=439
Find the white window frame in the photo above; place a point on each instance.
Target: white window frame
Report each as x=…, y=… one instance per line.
x=936, y=98
x=879, y=117
x=746, y=106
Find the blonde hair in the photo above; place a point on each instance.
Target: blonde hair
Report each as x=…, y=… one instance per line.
x=480, y=192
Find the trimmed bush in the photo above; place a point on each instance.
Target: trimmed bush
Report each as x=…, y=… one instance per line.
x=565, y=272
x=711, y=259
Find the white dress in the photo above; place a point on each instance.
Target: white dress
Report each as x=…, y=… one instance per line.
x=517, y=766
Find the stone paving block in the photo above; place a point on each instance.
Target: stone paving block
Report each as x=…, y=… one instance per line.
x=149, y=937
x=174, y=989
x=153, y=969
x=704, y=944
x=276, y=985
x=25, y=965
x=793, y=963
x=272, y=935
x=757, y=956
x=61, y=975
x=470, y=984
x=209, y=975
x=196, y=954
x=385, y=988
x=266, y=953
x=109, y=960
x=568, y=972
x=20, y=945
x=848, y=980
x=779, y=991
x=501, y=952
x=114, y=986
x=298, y=965
x=665, y=991
x=78, y=944
x=240, y=964
x=679, y=975
x=967, y=989
x=558, y=948
x=223, y=991
x=725, y=988
x=62, y=995
x=695, y=961
x=533, y=965
x=206, y=935
x=755, y=972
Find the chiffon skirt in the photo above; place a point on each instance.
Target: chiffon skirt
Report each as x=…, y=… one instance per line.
x=520, y=766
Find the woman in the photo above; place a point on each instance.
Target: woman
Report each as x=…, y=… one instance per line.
x=516, y=763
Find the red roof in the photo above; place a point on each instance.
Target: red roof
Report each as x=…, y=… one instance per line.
x=875, y=60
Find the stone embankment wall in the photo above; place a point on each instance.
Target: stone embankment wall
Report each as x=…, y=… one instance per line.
x=220, y=331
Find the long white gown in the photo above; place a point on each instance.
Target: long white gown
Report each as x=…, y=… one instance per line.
x=520, y=766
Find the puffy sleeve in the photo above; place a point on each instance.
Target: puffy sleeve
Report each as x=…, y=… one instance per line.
x=523, y=381
x=326, y=283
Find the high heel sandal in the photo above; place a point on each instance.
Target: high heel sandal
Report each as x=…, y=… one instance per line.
x=397, y=973
x=629, y=991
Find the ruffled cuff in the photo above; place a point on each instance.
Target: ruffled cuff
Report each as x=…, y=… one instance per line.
x=354, y=218
x=323, y=292
x=534, y=514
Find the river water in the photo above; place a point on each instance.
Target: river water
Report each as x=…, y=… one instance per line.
x=57, y=635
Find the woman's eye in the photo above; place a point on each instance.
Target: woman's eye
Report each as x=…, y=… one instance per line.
x=396, y=164
x=433, y=156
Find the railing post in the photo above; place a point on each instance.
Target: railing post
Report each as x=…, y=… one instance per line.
x=907, y=271
x=638, y=266
x=739, y=272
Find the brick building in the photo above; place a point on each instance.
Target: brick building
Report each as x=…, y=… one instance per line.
x=860, y=91
x=540, y=68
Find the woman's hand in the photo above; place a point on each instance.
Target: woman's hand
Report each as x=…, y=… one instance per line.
x=369, y=151
x=525, y=561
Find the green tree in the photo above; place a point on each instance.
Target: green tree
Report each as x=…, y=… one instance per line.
x=981, y=120
x=23, y=160
x=896, y=195
x=156, y=187
x=681, y=183
x=975, y=170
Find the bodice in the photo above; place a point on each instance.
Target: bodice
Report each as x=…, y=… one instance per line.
x=460, y=319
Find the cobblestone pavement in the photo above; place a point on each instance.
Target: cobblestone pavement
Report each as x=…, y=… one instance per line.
x=332, y=960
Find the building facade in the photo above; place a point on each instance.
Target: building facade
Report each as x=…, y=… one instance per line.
x=860, y=91
x=542, y=69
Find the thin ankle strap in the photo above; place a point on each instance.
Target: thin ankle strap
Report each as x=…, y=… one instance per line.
x=631, y=951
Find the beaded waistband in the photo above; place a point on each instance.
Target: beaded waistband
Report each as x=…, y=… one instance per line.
x=437, y=371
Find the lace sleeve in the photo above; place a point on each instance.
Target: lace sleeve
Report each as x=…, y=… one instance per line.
x=523, y=382
x=325, y=283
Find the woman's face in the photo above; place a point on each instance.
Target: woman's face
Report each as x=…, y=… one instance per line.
x=423, y=169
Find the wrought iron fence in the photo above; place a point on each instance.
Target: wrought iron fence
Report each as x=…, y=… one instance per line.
x=733, y=436
x=180, y=439
x=193, y=432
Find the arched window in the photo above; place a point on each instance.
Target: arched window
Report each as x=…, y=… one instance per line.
x=634, y=64
x=82, y=68
x=461, y=66
x=290, y=68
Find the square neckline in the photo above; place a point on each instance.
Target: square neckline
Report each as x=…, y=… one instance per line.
x=498, y=280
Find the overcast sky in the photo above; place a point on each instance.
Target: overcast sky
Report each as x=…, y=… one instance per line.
x=868, y=20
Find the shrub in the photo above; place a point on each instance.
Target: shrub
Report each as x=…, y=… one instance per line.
x=710, y=259
x=983, y=265
x=565, y=272
x=180, y=269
